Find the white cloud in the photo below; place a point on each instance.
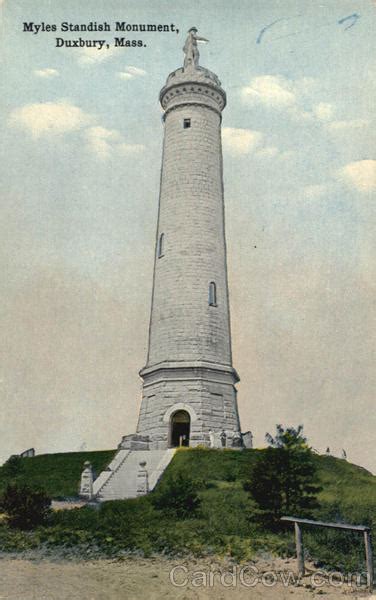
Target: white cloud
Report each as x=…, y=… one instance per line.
x=271, y=90
x=240, y=141
x=136, y=71
x=323, y=111
x=297, y=97
x=100, y=140
x=49, y=118
x=92, y=56
x=103, y=143
x=361, y=174
x=124, y=75
x=131, y=72
x=46, y=73
x=345, y=125
x=57, y=118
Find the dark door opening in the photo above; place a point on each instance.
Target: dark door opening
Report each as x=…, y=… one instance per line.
x=180, y=429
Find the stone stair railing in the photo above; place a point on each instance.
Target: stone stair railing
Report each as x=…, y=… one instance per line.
x=158, y=472
x=109, y=472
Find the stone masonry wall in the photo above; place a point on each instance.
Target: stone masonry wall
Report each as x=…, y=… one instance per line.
x=212, y=404
x=183, y=325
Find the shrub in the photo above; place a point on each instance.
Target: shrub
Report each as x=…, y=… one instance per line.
x=13, y=467
x=177, y=495
x=24, y=506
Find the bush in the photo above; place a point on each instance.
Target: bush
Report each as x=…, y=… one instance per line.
x=24, y=506
x=13, y=467
x=177, y=495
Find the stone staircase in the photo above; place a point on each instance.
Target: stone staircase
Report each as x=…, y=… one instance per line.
x=119, y=480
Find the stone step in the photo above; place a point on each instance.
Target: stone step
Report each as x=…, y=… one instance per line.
x=122, y=482
x=106, y=475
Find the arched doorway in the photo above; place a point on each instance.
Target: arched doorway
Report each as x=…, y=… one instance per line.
x=180, y=426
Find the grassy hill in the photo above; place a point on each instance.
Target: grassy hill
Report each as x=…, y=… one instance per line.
x=223, y=525
x=59, y=474
x=346, y=488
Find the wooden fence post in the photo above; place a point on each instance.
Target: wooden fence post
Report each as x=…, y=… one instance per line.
x=299, y=548
x=360, y=528
x=369, y=560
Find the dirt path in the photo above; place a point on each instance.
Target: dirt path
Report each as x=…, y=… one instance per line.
x=150, y=579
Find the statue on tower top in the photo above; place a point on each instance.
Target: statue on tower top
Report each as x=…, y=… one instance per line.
x=190, y=49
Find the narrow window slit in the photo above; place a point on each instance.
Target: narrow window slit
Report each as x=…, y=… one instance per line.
x=212, y=294
x=160, y=249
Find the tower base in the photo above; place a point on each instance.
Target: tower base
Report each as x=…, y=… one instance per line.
x=190, y=404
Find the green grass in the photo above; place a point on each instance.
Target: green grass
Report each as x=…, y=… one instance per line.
x=346, y=487
x=348, y=491
x=59, y=474
x=224, y=524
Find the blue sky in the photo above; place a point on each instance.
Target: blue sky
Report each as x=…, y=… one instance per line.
x=81, y=153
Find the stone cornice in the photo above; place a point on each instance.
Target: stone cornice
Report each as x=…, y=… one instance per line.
x=184, y=367
x=205, y=90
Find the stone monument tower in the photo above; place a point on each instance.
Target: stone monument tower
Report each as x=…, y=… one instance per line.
x=189, y=394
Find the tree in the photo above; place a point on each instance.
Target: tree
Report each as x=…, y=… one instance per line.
x=25, y=507
x=13, y=466
x=177, y=494
x=283, y=478
x=288, y=438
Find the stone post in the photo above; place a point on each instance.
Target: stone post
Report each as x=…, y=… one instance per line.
x=86, y=484
x=142, y=480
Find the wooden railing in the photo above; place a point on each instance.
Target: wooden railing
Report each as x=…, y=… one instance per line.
x=360, y=528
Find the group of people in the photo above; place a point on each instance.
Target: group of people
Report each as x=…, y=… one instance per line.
x=223, y=440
